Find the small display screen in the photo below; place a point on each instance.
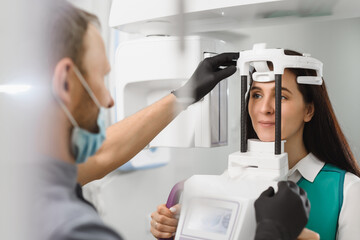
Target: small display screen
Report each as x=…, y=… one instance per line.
x=209, y=219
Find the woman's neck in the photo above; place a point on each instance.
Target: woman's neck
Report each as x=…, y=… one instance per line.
x=296, y=150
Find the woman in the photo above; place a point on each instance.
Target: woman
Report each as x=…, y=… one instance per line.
x=320, y=159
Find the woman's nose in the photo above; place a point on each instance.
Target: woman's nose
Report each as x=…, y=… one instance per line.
x=268, y=105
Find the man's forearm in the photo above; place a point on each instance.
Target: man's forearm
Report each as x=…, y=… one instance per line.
x=128, y=137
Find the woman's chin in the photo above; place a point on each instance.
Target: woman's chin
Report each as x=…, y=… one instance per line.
x=267, y=138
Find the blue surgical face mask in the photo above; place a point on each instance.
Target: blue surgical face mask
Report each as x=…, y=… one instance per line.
x=84, y=144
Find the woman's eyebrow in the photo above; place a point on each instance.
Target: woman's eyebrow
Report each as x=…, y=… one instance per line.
x=254, y=88
x=284, y=89
x=273, y=89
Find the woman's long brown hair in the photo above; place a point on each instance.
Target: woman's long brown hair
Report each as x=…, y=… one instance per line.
x=322, y=135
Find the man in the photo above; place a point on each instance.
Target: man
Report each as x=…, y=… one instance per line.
x=74, y=129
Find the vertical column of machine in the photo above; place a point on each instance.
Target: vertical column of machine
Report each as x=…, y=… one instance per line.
x=278, y=114
x=243, y=142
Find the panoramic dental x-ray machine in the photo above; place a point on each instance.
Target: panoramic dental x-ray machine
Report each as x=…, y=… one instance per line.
x=221, y=207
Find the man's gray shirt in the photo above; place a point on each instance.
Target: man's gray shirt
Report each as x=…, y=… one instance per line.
x=62, y=213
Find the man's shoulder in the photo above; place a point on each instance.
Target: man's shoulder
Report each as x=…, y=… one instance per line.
x=64, y=216
x=85, y=227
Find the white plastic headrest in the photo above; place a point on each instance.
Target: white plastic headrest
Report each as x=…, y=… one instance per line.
x=259, y=56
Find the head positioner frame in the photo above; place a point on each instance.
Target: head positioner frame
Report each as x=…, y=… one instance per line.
x=259, y=55
x=258, y=58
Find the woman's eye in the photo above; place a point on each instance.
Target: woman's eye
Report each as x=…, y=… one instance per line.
x=283, y=98
x=256, y=95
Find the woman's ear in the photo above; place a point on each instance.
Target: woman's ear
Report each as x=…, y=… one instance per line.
x=60, y=83
x=309, y=112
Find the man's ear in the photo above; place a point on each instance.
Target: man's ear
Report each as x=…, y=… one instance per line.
x=309, y=112
x=60, y=84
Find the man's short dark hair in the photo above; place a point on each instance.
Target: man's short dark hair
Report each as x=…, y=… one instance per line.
x=67, y=27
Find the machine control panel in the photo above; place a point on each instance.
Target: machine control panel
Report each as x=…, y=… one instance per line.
x=208, y=218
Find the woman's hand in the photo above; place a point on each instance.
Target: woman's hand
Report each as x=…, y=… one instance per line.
x=164, y=221
x=307, y=234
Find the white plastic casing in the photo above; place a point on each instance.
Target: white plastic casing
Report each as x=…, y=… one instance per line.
x=148, y=69
x=259, y=55
x=259, y=162
x=209, y=16
x=234, y=193
x=242, y=193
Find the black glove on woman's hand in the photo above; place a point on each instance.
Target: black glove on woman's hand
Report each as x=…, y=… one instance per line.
x=206, y=76
x=281, y=215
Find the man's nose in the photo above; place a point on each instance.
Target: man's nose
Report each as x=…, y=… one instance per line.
x=110, y=102
x=107, y=101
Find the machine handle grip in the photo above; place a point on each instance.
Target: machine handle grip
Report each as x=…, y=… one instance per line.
x=174, y=195
x=174, y=198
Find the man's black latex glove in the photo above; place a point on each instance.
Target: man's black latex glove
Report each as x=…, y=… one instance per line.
x=206, y=76
x=281, y=215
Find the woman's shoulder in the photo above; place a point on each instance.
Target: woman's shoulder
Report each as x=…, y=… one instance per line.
x=351, y=183
x=350, y=211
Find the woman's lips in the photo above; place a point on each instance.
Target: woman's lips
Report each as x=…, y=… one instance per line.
x=266, y=123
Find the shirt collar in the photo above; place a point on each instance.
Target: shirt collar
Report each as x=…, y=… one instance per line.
x=55, y=172
x=308, y=167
